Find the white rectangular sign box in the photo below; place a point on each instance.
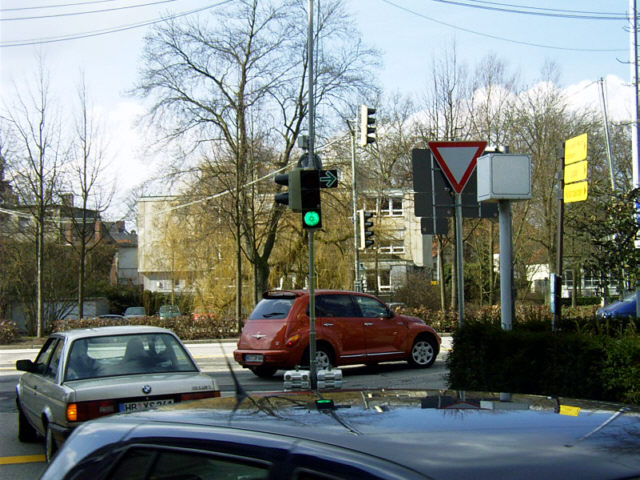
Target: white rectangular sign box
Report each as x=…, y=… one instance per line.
x=504, y=177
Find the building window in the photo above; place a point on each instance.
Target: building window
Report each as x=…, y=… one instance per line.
x=393, y=247
x=391, y=207
x=384, y=280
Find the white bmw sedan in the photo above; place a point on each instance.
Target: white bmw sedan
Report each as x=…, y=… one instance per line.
x=83, y=374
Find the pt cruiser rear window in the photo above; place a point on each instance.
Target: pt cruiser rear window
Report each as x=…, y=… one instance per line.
x=272, y=308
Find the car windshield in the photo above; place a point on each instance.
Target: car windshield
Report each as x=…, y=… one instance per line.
x=135, y=311
x=272, y=308
x=169, y=309
x=107, y=356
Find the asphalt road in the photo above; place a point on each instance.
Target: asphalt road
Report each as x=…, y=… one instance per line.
x=19, y=461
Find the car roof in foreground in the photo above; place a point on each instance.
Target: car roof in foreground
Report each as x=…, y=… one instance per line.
x=442, y=434
x=115, y=330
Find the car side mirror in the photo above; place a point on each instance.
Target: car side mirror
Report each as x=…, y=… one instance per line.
x=25, y=366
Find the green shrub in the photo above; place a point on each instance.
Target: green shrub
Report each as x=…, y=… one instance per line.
x=8, y=332
x=184, y=326
x=573, y=364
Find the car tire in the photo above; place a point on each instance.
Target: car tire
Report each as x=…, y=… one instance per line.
x=423, y=352
x=50, y=444
x=263, y=372
x=324, y=358
x=26, y=433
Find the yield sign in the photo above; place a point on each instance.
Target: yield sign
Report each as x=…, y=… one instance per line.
x=457, y=160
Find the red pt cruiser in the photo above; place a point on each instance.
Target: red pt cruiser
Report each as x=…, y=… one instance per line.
x=351, y=328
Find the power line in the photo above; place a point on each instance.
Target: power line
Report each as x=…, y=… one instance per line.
x=95, y=33
x=561, y=10
x=73, y=14
x=556, y=13
x=19, y=9
x=495, y=37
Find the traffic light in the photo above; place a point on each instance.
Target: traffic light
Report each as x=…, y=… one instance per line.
x=292, y=197
x=365, y=223
x=310, y=199
x=367, y=125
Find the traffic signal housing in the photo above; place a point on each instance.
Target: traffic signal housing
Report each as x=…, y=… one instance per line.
x=367, y=125
x=365, y=223
x=310, y=205
x=290, y=198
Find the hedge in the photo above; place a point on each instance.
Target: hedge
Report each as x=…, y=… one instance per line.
x=184, y=326
x=565, y=363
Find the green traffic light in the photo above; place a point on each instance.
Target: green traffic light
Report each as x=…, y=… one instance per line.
x=311, y=219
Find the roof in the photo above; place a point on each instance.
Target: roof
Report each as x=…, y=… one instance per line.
x=116, y=330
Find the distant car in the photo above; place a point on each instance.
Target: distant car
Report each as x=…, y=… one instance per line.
x=87, y=373
x=113, y=316
x=168, y=311
x=351, y=328
x=353, y=435
x=135, y=312
x=620, y=309
x=202, y=313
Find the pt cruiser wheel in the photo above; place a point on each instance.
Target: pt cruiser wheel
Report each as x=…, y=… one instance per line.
x=423, y=352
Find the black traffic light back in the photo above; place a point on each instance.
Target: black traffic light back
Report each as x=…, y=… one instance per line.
x=367, y=125
x=365, y=223
x=291, y=198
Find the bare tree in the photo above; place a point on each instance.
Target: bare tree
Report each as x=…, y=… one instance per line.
x=234, y=91
x=88, y=171
x=35, y=166
x=447, y=119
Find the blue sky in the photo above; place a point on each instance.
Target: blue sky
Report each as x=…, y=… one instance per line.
x=410, y=34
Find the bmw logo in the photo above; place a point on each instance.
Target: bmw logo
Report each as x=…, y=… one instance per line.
x=146, y=389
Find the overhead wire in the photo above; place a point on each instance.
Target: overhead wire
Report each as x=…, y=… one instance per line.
x=496, y=37
x=95, y=33
x=557, y=14
x=73, y=14
x=60, y=5
x=562, y=10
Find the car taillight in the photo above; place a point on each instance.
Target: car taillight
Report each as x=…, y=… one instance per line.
x=83, y=411
x=198, y=395
x=292, y=340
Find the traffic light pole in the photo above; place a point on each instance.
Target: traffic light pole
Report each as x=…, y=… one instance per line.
x=313, y=363
x=354, y=204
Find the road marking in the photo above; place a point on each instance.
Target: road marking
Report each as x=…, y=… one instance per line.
x=22, y=459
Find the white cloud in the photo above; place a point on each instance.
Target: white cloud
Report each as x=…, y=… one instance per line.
x=618, y=95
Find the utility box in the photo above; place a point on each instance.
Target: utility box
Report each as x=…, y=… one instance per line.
x=504, y=177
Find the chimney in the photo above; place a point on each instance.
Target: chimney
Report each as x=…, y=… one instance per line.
x=67, y=199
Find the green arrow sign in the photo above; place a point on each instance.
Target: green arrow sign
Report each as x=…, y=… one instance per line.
x=328, y=178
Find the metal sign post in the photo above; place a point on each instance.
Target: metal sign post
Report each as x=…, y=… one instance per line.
x=459, y=260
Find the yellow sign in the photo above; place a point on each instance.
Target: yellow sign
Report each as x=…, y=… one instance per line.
x=575, y=149
x=575, y=172
x=575, y=192
x=569, y=410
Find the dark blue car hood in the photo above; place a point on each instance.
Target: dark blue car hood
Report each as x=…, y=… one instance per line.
x=443, y=434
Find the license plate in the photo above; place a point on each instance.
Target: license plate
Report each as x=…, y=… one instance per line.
x=129, y=407
x=254, y=358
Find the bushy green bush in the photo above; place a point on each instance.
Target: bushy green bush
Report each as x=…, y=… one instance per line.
x=564, y=363
x=184, y=326
x=8, y=332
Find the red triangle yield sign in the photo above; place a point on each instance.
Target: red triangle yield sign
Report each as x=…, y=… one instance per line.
x=457, y=160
